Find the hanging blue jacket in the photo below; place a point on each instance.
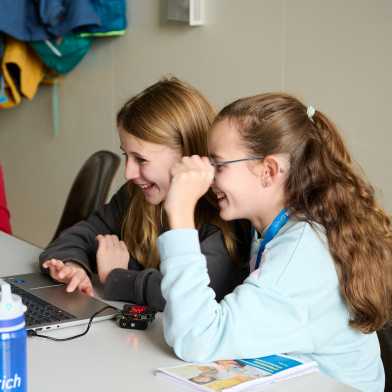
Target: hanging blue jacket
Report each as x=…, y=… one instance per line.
x=29, y=20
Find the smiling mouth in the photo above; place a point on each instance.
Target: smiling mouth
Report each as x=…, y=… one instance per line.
x=220, y=196
x=145, y=187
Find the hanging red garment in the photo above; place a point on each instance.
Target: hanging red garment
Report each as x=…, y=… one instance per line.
x=4, y=213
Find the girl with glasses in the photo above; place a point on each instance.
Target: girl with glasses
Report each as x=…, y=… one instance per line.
x=321, y=273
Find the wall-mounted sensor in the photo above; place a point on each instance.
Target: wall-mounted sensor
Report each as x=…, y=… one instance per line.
x=187, y=11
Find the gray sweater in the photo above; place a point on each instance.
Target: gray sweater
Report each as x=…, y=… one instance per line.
x=138, y=284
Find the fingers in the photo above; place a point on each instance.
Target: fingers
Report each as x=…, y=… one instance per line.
x=52, y=262
x=75, y=279
x=123, y=246
x=86, y=287
x=82, y=282
x=108, y=240
x=192, y=165
x=110, y=243
x=66, y=273
x=198, y=160
x=194, y=161
x=54, y=266
x=73, y=275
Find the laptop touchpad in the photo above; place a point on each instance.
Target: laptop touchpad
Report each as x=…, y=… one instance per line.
x=79, y=305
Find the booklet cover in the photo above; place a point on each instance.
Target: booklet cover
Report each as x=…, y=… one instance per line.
x=239, y=374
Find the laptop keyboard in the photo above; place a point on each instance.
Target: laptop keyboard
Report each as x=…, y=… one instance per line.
x=39, y=311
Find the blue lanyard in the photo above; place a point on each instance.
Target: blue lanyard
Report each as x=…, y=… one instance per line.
x=273, y=229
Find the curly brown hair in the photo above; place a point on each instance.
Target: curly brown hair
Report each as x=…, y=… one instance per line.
x=325, y=187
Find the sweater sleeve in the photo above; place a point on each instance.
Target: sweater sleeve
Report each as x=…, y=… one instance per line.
x=78, y=243
x=144, y=286
x=202, y=330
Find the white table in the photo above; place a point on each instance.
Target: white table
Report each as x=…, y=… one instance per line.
x=110, y=358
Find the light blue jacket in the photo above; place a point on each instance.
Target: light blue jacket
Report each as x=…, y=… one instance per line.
x=291, y=304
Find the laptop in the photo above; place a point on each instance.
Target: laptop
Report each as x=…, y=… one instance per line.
x=49, y=306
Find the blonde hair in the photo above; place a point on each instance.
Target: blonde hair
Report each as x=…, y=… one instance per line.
x=324, y=187
x=171, y=113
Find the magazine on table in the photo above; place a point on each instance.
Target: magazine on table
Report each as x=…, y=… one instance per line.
x=239, y=374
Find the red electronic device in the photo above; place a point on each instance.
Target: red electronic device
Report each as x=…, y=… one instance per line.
x=135, y=316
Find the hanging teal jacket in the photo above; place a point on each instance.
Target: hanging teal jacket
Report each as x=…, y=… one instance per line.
x=291, y=304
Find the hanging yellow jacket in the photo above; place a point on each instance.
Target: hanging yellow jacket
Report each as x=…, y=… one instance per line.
x=22, y=70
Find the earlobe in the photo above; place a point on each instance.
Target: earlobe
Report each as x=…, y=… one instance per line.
x=266, y=175
x=265, y=182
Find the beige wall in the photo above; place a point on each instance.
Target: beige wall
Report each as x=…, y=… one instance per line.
x=334, y=54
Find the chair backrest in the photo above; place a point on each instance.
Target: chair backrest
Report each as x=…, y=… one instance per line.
x=89, y=189
x=385, y=339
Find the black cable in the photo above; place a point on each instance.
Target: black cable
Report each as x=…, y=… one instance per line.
x=31, y=332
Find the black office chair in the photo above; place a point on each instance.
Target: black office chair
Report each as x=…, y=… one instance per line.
x=89, y=189
x=385, y=339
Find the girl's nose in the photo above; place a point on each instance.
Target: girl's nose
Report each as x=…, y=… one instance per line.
x=132, y=170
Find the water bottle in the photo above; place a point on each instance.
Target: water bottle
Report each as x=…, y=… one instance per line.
x=13, y=354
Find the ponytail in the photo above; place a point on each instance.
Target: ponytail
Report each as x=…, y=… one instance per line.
x=358, y=231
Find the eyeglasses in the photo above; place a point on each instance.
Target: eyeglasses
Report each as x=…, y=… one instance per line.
x=222, y=163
